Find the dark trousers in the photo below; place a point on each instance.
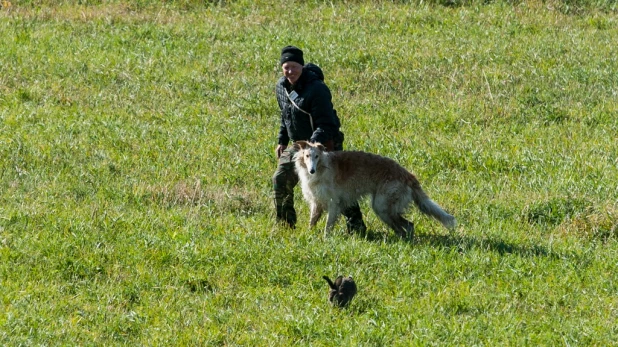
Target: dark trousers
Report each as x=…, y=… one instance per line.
x=284, y=181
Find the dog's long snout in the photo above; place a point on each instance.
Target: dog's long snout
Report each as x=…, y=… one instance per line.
x=312, y=171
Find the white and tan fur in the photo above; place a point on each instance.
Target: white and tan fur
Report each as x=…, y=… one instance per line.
x=333, y=181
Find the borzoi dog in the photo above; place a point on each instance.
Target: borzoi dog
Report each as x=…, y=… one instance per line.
x=333, y=181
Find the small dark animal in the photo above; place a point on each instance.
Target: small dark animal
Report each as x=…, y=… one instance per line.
x=342, y=291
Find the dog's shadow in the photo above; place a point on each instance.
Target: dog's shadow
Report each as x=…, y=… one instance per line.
x=464, y=243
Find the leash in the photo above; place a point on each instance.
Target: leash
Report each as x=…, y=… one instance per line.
x=300, y=109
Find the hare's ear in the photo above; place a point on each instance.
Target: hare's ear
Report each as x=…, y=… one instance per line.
x=338, y=281
x=330, y=283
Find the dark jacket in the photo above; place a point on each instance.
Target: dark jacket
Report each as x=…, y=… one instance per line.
x=313, y=97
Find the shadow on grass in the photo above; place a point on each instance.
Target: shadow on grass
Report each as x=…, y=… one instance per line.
x=465, y=243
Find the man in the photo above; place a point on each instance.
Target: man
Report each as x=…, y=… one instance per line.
x=307, y=114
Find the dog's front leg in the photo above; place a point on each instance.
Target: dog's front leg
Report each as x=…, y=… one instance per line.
x=333, y=215
x=316, y=213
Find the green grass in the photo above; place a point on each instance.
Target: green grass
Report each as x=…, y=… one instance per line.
x=136, y=153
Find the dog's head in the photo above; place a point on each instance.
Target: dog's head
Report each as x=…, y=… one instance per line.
x=309, y=155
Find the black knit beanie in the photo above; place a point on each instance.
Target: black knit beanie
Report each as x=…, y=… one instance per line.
x=292, y=53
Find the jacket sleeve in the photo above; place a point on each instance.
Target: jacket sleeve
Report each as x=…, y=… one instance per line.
x=324, y=120
x=282, y=138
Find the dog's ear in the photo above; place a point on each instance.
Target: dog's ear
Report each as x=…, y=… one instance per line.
x=320, y=146
x=298, y=145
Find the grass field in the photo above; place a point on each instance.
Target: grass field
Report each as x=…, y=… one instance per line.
x=137, y=148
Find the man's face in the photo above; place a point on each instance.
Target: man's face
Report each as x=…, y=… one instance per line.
x=292, y=71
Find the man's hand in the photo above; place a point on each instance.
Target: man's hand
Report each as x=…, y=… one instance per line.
x=279, y=150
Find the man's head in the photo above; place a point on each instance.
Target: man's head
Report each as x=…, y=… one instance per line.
x=292, y=63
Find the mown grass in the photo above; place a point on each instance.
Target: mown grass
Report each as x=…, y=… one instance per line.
x=136, y=147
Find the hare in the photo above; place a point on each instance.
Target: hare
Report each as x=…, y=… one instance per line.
x=342, y=291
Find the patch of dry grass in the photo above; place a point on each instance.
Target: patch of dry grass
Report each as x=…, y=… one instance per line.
x=220, y=201
x=598, y=222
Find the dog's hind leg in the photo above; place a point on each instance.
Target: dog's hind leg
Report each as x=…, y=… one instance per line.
x=407, y=227
x=394, y=223
x=391, y=220
x=316, y=213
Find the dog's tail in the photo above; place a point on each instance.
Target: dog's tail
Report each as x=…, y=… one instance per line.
x=431, y=208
